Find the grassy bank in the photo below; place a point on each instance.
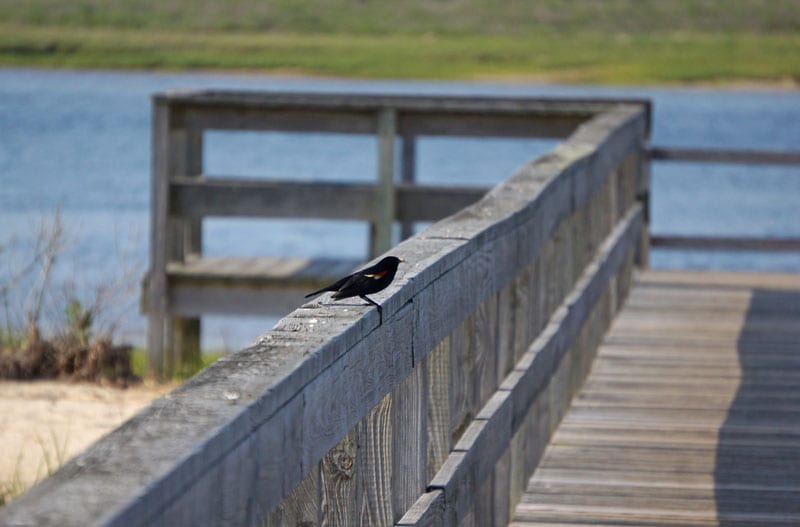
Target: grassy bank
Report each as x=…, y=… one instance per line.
x=414, y=17
x=609, y=41
x=579, y=57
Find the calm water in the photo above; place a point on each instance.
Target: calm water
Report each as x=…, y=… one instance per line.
x=78, y=142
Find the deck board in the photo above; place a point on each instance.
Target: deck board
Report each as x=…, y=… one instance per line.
x=690, y=415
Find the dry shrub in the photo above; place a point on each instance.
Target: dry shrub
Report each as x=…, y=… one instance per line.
x=100, y=361
x=79, y=345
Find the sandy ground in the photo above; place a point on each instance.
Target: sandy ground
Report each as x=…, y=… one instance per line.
x=44, y=423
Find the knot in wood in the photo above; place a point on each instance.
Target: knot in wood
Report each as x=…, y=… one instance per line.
x=344, y=463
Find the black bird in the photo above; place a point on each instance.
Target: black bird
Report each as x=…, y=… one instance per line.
x=365, y=282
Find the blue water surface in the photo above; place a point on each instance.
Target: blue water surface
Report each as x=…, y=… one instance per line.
x=78, y=142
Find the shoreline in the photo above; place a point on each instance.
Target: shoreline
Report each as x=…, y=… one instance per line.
x=516, y=79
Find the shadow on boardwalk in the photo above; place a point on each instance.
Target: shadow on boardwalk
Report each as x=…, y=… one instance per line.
x=757, y=472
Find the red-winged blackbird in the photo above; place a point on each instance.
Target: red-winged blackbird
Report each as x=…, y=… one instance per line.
x=364, y=282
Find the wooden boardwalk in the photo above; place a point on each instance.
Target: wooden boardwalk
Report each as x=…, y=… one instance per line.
x=690, y=415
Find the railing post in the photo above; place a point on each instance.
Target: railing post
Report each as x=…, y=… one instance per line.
x=177, y=151
x=384, y=212
x=184, y=338
x=160, y=234
x=642, y=257
x=408, y=161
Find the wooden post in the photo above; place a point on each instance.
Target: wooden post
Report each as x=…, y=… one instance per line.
x=184, y=333
x=171, y=341
x=161, y=237
x=642, y=257
x=384, y=212
x=408, y=160
x=193, y=167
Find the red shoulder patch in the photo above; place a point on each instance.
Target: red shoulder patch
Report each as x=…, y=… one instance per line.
x=375, y=276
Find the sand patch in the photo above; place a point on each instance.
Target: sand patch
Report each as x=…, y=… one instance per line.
x=45, y=423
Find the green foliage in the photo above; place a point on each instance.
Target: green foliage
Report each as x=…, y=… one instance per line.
x=79, y=321
x=10, y=339
x=54, y=452
x=139, y=364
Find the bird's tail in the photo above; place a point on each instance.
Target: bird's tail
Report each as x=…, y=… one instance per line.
x=324, y=289
x=332, y=287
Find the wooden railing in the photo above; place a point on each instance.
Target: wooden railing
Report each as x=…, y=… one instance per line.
x=182, y=284
x=726, y=156
x=435, y=414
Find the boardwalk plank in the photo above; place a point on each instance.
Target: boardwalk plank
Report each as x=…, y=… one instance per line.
x=690, y=416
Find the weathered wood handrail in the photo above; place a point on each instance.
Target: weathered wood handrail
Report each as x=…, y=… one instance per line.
x=337, y=417
x=354, y=113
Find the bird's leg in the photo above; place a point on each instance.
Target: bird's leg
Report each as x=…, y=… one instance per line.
x=380, y=309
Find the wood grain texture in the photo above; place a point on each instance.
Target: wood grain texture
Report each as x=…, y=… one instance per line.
x=501, y=489
x=438, y=394
x=374, y=367
x=689, y=415
x=409, y=440
x=338, y=483
x=505, y=333
x=302, y=507
x=374, y=466
x=463, y=406
x=484, y=380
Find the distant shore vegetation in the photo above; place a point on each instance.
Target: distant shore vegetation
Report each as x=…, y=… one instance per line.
x=609, y=41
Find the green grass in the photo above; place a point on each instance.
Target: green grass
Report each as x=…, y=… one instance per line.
x=608, y=41
x=14, y=485
x=413, y=17
x=139, y=364
x=580, y=57
x=54, y=454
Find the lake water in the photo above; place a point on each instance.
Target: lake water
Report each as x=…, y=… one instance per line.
x=79, y=143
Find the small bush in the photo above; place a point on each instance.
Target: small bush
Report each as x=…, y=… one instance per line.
x=79, y=344
x=98, y=361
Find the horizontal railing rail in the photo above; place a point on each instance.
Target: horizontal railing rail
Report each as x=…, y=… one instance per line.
x=725, y=243
x=354, y=113
x=724, y=155
x=225, y=197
